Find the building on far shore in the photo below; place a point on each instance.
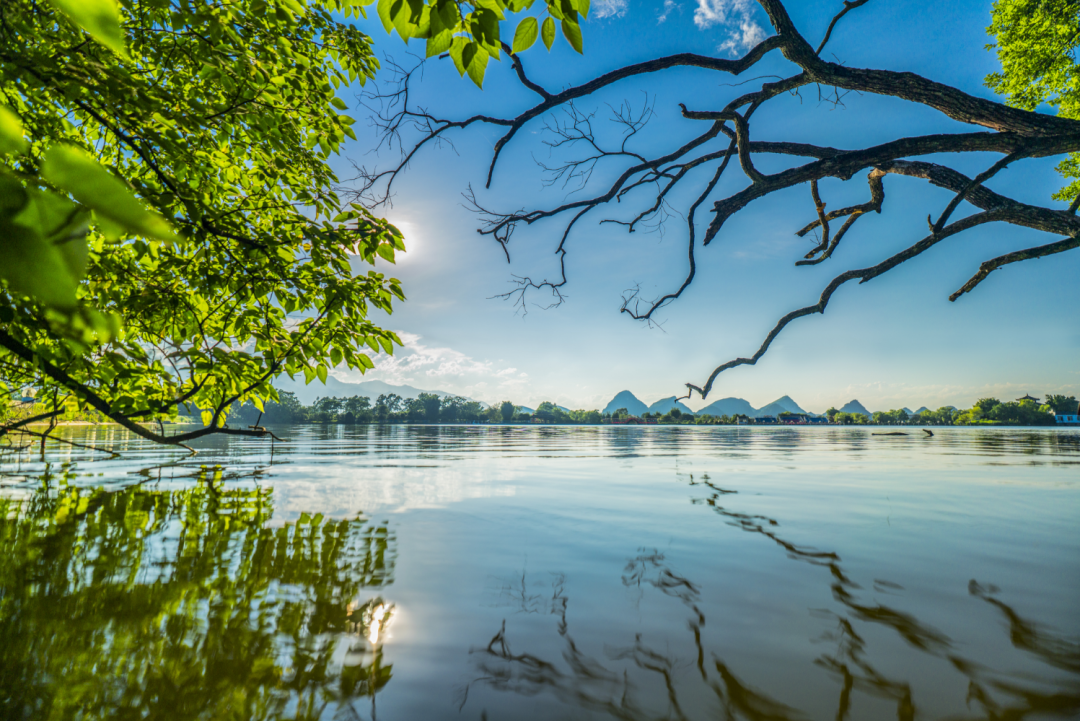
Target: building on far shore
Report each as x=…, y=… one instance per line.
x=1028, y=398
x=1069, y=419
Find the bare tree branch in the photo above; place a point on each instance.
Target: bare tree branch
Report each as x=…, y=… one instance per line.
x=653, y=182
x=849, y=5
x=991, y=265
x=862, y=276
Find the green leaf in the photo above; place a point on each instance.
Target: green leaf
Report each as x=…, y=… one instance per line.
x=43, y=242
x=384, y=14
x=581, y=6
x=386, y=252
x=339, y=103
x=73, y=170
x=11, y=132
x=445, y=19
x=457, y=49
x=572, y=32
x=474, y=58
x=438, y=43
x=321, y=372
x=547, y=32
x=495, y=6
x=35, y=267
x=525, y=35
x=99, y=18
x=206, y=416
x=485, y=28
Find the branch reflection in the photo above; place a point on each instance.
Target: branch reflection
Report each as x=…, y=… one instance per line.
x=684, y=680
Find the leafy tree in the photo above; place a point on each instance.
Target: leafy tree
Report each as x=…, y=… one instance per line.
x=472, y=411
x=414, y=410
x=506, y=408
x=388, y=404
x=451, y=409
x=1036, y=43
x=287, y=409
x=328, y=409
x=471, y=33
x=431, y=404
x=359, y=407
x=169, y=224
x=986, y=404
x=831, y=414
x=583, y=416
x=897, y=416
x=1021, y=413
x=1065, y=405
x=645, y=177
x=550, y=413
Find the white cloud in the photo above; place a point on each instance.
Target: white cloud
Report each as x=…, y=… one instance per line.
x=440, y=368
x=669, y=7
x=744, y=31
x=610, y=9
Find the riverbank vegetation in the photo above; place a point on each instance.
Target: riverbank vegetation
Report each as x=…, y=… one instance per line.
x=430, y=408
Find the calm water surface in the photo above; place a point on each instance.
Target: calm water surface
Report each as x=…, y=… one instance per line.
x=545, y=573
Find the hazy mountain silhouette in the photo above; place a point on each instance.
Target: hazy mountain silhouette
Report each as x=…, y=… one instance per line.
x=664, y=405
x=340, y=389
x=780, y=405
x=855, y=407
x=728, y=407
x=627, y=400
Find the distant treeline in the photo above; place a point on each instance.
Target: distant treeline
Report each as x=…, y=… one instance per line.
x=430, y=408
x=392, y=408
x=987, y=411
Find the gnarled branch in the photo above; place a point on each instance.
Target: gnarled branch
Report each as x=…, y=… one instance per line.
x=653, y=182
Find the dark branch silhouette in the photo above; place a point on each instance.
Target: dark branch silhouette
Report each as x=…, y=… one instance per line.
x=651, y=178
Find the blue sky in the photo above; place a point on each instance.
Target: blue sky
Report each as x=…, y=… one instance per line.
x=895, y=341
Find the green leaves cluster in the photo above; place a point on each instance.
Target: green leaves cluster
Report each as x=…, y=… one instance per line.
x=45, y=231
x=166, y=165
x=470, y=32
x=1037, y=43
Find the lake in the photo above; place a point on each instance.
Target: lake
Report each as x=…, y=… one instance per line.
x=476, y=572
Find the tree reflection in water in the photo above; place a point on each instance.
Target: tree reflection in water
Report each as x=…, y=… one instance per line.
x=185, y=603
x=707, y=687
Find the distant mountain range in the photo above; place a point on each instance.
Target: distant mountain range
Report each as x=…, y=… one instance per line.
x=664, y=405
x=722, y=407
x=729, y=407
x=856, y=407
x=334, y=388
x=627, y=400
x=781, y=405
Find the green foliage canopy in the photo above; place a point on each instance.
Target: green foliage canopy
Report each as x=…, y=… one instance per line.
x=1036, y=42
x=172, y=207
x=470, y=31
